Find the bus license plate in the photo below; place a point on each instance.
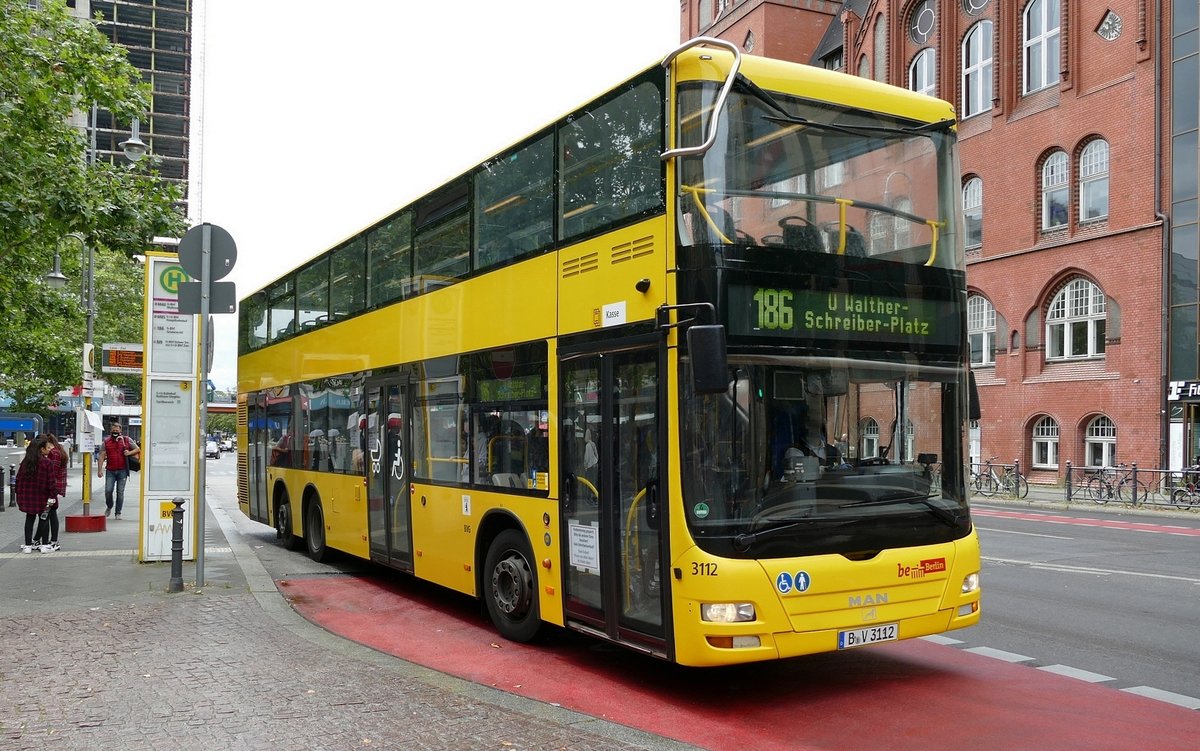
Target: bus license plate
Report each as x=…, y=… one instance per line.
x=861, y=636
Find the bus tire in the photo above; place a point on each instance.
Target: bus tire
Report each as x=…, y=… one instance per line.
x=314, y=531
x=510, y=587
x=284, y=527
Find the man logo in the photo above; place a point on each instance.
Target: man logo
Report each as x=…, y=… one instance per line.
x=171, y=277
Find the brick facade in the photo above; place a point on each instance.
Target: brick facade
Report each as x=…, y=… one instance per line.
x=1106, y=91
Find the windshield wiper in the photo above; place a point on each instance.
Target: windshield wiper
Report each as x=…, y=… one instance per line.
x=744, y=541
x=942, y=515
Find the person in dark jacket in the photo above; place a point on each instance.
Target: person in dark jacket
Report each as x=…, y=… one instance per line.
x=37, y=491
x=60, y=456
x=113, y=465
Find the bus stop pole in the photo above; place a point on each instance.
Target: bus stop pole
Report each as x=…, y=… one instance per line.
x=202, y=388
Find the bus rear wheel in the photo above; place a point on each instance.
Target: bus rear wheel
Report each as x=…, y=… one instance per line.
x=510, y=587
x=314, y=531
x=283, y=526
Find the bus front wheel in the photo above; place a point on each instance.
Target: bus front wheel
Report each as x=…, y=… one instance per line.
x=510, y=587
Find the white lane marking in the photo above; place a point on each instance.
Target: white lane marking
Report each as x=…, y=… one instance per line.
x=1025, y=534
x=1187, y=702
x=1083, y=675
x=939, y=639
x=999, y=654
x=1090, y=570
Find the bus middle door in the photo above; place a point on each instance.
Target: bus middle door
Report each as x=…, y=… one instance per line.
x=387, y=462
x=612, y=518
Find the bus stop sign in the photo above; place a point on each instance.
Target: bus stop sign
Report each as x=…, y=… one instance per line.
x=221, y=247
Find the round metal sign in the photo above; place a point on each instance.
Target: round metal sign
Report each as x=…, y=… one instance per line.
x=221, y=248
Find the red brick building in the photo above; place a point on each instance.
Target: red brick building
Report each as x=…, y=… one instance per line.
x=1064, y=193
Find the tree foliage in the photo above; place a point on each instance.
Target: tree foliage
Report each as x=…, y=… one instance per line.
x=56, y=65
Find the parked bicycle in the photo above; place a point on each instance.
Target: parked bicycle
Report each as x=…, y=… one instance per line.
x=1004, y=478
x=1188, y=493
x=1116, y=482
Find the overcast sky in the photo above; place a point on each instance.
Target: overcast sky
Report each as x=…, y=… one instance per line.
x=317, y=119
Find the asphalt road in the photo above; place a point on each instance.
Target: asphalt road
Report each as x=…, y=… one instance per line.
x=1112, y=594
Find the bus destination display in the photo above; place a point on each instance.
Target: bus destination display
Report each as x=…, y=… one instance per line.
x=839, y=315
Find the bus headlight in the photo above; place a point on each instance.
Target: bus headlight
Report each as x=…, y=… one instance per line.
x=727, y=612
x=970, y=583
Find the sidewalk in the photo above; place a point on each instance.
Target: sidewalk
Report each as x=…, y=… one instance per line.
x=94, y=653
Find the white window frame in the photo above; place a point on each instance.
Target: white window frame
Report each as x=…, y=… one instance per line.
x=981, y=325
x=1045, y=442
x=877, y=229
x=1056, y=190
x=1100, y=440
x=870, y=439
x=922, y=73
x=1093, y=181
x=1079, y=307
x=1041, y=44
x=973, y=210
x=977, y=69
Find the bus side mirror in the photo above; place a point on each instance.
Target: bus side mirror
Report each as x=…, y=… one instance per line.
x=973, y=411
x=710, y=371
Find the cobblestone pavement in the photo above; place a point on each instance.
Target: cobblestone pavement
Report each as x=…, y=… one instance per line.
x=96, y=655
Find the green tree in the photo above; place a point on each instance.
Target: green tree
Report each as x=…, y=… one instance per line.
x=56, y=65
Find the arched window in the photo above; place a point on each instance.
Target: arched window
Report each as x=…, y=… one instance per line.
x=923, y=71
x=864, y=67
x=1045, y=443
x=1100, y=443
x=1075, y=322
x=977, y=69
x=973, y=212
x=1041, y=44
x=881, y=48
x=981, y=330
x=870, y=438
x=1093, y=181
x=1055, y=191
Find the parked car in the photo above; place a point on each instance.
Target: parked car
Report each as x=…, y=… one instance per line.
x=227, y=444
x=212, y=450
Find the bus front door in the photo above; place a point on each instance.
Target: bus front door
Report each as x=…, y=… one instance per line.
x=613, y=526
x=387, y=462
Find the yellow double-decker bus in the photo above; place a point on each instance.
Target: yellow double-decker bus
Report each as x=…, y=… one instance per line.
x=685, y=370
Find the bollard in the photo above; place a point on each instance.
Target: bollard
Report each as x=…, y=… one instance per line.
x=3, y=505
x=176, y=583
x=12, y=485
x=1016, y=478
x=1136, y=500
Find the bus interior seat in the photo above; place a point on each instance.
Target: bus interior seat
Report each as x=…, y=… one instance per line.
x=800, y=234
x=506, y=480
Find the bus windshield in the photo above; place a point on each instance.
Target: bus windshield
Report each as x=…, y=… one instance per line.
x=791, y=173
x=818, y=455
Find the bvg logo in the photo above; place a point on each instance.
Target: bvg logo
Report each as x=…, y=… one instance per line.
x=171, y=277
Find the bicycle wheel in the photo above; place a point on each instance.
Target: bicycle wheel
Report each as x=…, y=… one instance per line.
x=1130, y=494
x=1097, y=490
x=1020, y=486
x=1179, y=497
x=987, y=485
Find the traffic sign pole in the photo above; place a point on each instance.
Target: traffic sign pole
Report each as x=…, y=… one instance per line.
x=201, y=495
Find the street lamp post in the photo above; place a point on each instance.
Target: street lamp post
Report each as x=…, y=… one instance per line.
x=88, y=294
x=134, y=150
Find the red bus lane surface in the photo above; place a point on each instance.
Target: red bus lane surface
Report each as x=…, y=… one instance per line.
x=905, y=695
